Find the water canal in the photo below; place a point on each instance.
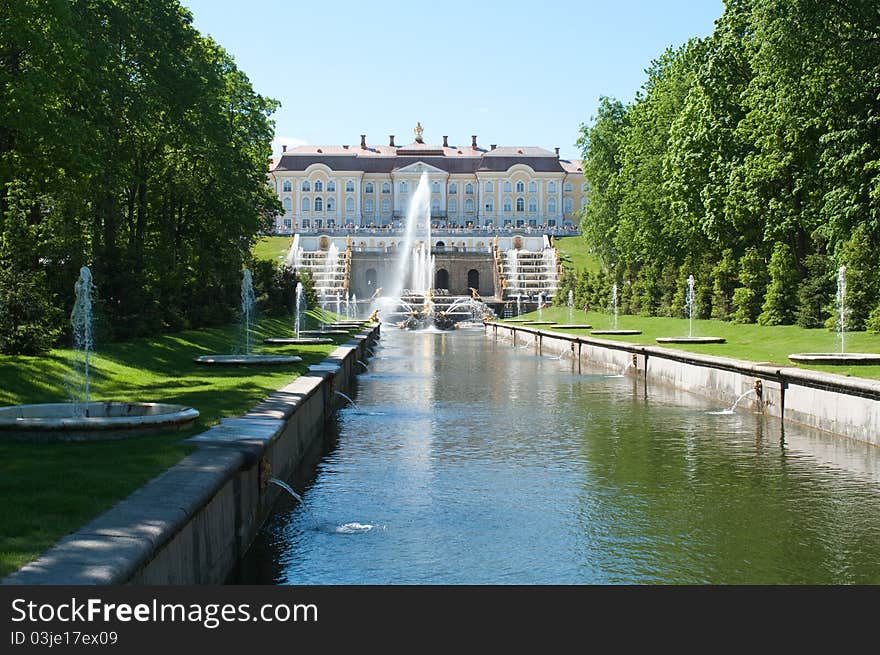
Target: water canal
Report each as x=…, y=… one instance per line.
x=469, y=461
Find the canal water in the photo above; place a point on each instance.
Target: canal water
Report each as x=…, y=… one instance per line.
x=470, y=461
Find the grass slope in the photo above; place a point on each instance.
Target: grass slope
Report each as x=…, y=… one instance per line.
x=271, y=248
x=751, y=342
x=574, y=254
x=49, y=490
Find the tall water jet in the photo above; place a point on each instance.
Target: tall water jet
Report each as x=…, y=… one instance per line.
x=690, y=306
x=842, y=358
x=513, y=283
x=299, y=309
x=570, y=303
x=690, y=303
x=841, y=307
x=419, y=210
x=83, y=420
x=614, y=305
x=247, y=309
x=81, y=322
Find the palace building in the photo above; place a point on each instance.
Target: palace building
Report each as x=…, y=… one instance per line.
x=366, y=185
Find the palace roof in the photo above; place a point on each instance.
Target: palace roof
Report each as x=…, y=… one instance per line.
x=452, y=159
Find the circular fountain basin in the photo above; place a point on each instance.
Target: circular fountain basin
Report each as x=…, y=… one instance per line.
x=100, y=421
x=690, y=340
x=313, y=333
x=573, y=326
x=616, y=332
x=515, y=320
x=302, y=341
x=538, y=323
x=839, y=359
x=247, y=360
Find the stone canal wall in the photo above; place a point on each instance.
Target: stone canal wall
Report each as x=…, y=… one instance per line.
x=193, y=523
x=834, y=403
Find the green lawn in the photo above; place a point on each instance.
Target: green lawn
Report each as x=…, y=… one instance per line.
x=49, y=490
x=574, y=254
x=758, y=343
x=271, y=248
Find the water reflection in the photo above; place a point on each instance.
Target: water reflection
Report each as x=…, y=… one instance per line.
x=486, y=464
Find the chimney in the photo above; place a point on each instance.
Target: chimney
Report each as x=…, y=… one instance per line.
x=391, y=140
x=363, y=141
x=445, y=141
x=557, y=153
x=474, y=141
x=493, y=146
x=283, y=147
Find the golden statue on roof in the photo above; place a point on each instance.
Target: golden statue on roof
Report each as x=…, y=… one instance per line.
x=418, y=130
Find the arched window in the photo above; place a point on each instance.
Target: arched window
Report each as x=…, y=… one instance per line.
x=368, y=187
x=435, y=206
x=469, y=189
x=567, y=187
x=435, y=187
x=319, y=186
x=386, y=206
x=474, y=279
x=508, y=205
x=349, y=186
x=566, y=205
x=533, y=187
x=306, y=186
x=469, y=206
x=305, y=204
x=287, y=203
x=583, y=202
x=368, y=205
x=331, y=204
x=489, y=187
x=551, y=206
x=533, y=205
x=453, y=189
x=440, y=246
x=319, y=204
x=331, y=187
x=520, y=204
x=507, y=186
x=453, y=205
x=349, y=205
x=286, y=186
x=490, y=205
x=403, y=187
x=441, y=278
x=371, y=277
x=520, y=187
x=386, y=188
x=551, y=187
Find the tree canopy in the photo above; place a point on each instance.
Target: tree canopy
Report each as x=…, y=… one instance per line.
x=762, y=138
x=131, y=143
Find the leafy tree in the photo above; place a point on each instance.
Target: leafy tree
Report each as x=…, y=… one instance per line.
x=816, y=292
x=780, y=301
x=749, y=296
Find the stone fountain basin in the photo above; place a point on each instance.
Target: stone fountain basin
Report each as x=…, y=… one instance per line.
x=690, y=339
x=303, y=341
x=247, y=360
x=101, y=421
x=573, y=326
x=317, y=333
x=616, y=332
x=841, y=359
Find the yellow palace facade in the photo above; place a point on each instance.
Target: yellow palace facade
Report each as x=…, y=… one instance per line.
x=346, y=186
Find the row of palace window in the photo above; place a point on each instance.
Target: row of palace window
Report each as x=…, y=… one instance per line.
x=488, y=187
x=330, y=223
x=452, y=205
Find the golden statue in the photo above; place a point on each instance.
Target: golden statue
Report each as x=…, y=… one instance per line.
x=474, y=294
x=374, y=317
x=418, y=130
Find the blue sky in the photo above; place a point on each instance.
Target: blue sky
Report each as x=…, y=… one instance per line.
x=513, y=73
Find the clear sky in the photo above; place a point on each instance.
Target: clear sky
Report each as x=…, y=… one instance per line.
x=513, y=73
